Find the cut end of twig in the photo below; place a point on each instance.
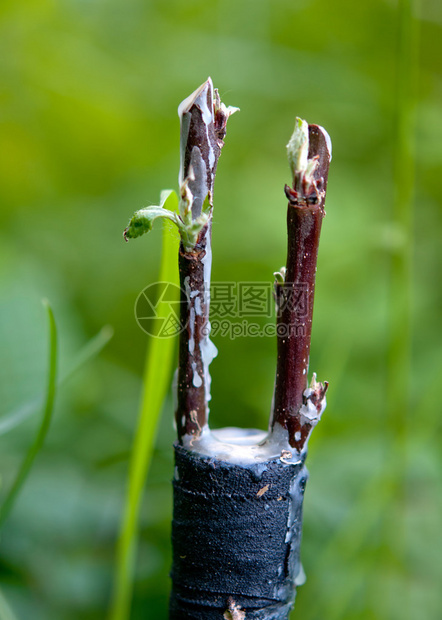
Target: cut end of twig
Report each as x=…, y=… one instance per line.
x=207, y=100
x=309, y=153
x=203, y=121
x=202, y=98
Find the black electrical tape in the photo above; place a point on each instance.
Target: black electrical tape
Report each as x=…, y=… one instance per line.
x=236, y=536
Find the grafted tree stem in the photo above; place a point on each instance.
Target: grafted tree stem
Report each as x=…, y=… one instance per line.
x=295, y=295
x=203, y=128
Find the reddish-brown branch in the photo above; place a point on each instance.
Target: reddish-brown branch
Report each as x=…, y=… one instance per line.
x=203, y=127
x=192, y=407
x=295, y=297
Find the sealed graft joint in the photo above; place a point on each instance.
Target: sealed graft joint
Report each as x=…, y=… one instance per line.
x=238, y=493
x=236, y=531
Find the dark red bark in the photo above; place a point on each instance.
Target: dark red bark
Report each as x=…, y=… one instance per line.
x=295, y=296
x=203, y=128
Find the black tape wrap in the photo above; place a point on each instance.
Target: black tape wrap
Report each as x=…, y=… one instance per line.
x=236, y=536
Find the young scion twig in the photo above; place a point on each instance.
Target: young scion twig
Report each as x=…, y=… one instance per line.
x=203, y=127
x=203, y=120
x=298, y=407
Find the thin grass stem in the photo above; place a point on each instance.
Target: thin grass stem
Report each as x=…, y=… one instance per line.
x=40, y=437
x=90, y=350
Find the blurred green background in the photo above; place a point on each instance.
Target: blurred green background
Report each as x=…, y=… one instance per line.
x=88, y=134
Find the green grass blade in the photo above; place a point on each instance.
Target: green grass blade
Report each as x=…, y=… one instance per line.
x=398, y=563
x=156, y=382
x=6, y=612
x=399, y=342
x=35, y=447
x=91, y=349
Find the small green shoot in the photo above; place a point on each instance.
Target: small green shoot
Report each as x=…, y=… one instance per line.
x=142, y=220
x=303, y=168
